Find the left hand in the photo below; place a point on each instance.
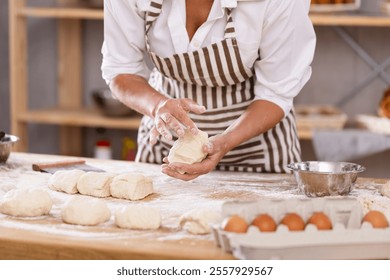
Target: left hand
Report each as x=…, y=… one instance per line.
x=216, y=149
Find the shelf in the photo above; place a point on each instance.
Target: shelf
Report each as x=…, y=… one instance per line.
x=350, y=19
x=79, y=118
x=343, y=19
x=61, y=12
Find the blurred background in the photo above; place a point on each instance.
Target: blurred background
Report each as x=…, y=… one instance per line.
x=350, y=75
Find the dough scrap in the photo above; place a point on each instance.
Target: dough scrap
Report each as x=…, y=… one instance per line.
x=85, y=211
x=198, y=221
x=188, y=149
x=132, y=186
x=65, y=180
x=385, y=190
x=95, y=184
x=26, y=203
x=138, y=217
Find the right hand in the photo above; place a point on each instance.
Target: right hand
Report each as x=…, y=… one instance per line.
x=171, y=115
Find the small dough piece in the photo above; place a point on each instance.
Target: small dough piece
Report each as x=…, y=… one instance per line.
x=198, y=221
x=65, y=180
x=188, y=149
x=138, y=217
x=85, y=211
x=385, y=190
x=132, y=186
x=26, y=203
x=95, y=184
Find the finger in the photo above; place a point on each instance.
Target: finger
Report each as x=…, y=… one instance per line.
x=191, y=106
x=162, y=129
x=173, y=124
x=208, y=148
x=183, y=117
x=175, y=174
x=153, y=137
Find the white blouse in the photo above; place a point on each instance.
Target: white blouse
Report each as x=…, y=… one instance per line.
x=280, y=30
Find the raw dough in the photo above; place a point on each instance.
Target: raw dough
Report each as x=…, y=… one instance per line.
x=85, y=211
x=65, y=180
x=385, y=190
x=133, y=186
x=26, y=203
x=188, y=149
x=95, y=184
x=198, y=221
x=138, y=217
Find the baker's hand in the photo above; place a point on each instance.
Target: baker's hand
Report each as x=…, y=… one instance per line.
x=170, y=116
x=216, y=149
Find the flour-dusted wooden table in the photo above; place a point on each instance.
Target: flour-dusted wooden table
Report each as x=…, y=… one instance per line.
x=49, y=238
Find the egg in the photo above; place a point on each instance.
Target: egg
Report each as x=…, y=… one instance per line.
x=264, y=222
x=320, y=220
x=293, y=221
x=235, y=223
x=376, y=218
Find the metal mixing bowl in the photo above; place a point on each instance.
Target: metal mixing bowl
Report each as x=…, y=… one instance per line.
x=6, y=144
x=322, y=178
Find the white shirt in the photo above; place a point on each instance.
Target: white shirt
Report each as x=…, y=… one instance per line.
x=280, y=29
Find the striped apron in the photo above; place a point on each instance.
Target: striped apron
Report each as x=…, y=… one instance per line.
x=215, y=77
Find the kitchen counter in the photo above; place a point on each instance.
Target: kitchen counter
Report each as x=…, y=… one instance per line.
x=47, y=237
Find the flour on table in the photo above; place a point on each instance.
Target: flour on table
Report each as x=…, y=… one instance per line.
x=132, y=186
x=199, y=221
x=95, y=184
x=138, y=217
x=85, y=211
x=26, y=203
x=65, y=180
x=188, y=148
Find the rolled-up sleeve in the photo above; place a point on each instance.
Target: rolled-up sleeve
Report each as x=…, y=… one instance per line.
x=124, y=45
x=286, y=50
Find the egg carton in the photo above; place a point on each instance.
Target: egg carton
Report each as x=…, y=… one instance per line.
x=349, y=238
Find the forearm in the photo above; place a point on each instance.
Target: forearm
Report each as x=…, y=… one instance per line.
x=259, y=117
x=136, y=93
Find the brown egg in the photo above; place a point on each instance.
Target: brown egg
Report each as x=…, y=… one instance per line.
x=264, y=222
x=376, y=218
x=293, y=221
x=320, y=220
x=235, y=223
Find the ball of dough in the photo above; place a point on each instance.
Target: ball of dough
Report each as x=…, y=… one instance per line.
x=95, y=184
x=26, y=203
x=385, y=189
x=65, y=180
x=85, y=211
x=188, y=148
x=198, y=221
x=138, y=217
x=131, y=186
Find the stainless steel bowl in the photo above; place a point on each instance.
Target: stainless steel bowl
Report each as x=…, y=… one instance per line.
x=322, y=178
x=110, y=106
x=6, y=144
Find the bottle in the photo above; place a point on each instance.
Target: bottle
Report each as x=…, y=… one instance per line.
x=103, y=149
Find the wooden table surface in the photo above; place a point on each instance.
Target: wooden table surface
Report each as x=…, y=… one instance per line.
x=48, y=237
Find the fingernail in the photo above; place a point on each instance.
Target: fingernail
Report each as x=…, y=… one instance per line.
x=180, y=132
x=194, y=130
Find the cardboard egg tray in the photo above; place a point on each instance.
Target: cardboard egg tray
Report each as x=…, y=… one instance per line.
x=349, y=238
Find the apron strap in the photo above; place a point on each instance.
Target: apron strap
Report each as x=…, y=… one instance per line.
x=153, y=13
x=230, y=31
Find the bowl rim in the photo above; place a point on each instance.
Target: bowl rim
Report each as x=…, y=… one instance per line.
x=13, y=139
x=359, y=168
